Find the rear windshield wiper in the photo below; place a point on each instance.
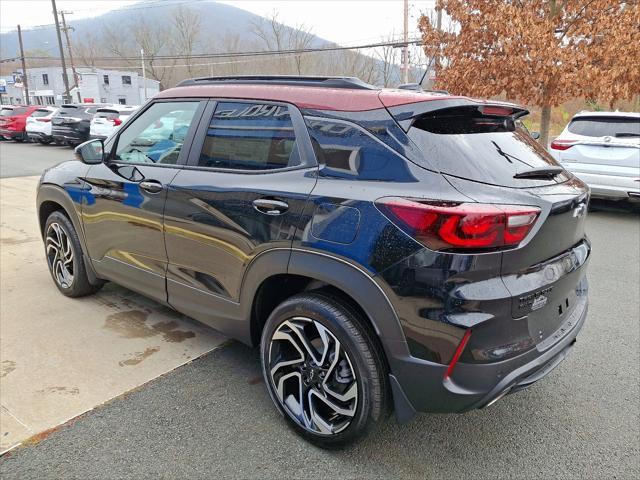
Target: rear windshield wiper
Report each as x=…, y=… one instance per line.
x=626, y=134
x=540, y=172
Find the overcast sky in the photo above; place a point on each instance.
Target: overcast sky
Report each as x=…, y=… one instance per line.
x=341, y=21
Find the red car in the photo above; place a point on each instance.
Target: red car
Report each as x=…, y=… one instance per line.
x=13, y=119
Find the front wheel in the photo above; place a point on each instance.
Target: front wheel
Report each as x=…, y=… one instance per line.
x=65, y=258
x=323, y=369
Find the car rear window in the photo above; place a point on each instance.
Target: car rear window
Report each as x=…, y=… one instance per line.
x=605, y=126
x=41, y=113
x=107, y=114
x=464, y=143
x=6, y=111
x=20, y=111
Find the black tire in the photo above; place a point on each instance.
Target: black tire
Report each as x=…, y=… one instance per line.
x=45, y=141
x=364, y=360
x=77, y=284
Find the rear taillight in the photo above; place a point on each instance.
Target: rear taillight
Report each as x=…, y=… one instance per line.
x=562, y=144
x=449, y=226
x=45, y=120
x=457, y=353
x=115, y=121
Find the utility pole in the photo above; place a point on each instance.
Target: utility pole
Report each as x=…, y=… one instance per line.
x=405, y=48
x=65, y=78
x=73, y=67
x=439, y=28
x=144, y=74
x=25, y=78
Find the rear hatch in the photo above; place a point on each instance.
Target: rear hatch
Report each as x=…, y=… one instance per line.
x=487, y=157
x=67, y=118
x=603, y=145
x=104, y=121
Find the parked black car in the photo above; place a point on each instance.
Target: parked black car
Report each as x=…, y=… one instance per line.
x=385, y=249
x=71, y=124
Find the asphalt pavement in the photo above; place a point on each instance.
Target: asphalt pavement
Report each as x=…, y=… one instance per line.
x=212, y=418
x=25, y=159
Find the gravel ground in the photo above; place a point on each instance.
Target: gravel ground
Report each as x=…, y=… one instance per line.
x=213, y=418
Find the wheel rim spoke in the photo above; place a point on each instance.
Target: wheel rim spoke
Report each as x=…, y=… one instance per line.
x=59, y=251
x=312, y=376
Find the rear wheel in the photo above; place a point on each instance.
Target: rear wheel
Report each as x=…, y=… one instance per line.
x=45, y=141
x=65, y=258
x=323, y=369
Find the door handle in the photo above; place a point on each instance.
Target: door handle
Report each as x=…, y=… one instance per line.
x=270, y=206
x=151, y=186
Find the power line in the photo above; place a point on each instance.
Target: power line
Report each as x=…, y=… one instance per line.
x=257, y=53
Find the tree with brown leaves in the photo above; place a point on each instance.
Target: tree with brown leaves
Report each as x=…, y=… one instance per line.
x=541, y=52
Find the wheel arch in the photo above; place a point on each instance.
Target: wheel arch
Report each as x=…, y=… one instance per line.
x=267, y=284
x=52, y=198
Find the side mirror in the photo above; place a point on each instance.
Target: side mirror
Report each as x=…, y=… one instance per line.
x=91, y=152
x=535, y=135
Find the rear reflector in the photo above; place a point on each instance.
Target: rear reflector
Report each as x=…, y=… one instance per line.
x=562, y=144
x=448, y=226
x=457, y=353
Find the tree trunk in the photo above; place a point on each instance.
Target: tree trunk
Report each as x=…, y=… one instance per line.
x=545, y=121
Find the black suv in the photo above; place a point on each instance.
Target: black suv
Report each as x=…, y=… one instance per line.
x=72, y=123
x=386, y=249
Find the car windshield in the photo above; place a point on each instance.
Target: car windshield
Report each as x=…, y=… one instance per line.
x=20, y=111
x=605, y=126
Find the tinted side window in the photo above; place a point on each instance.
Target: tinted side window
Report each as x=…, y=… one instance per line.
x=157, y=135
x=605, y=126
x=344, y=150
x=250, y=136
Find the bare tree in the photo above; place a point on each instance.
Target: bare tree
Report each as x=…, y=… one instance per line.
x=186, y=31
x=387, y=56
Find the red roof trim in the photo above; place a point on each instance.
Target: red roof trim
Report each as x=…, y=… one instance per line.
x=306, y=97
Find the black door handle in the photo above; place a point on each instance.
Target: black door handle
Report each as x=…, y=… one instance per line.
x=270, y=206
x=151, y=186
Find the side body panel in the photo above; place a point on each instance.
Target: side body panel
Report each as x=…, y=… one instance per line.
x=214, y=228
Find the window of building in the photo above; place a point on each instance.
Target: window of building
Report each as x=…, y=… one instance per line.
x=122, y=100
x=103, y=100
x=250, y=136
x=126, y=80
x=105, y=79
x=45, y=79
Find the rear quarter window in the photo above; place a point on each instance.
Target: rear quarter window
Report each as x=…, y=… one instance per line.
x=605, y=126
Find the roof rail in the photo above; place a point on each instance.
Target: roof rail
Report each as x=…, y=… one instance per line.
x=304, y=81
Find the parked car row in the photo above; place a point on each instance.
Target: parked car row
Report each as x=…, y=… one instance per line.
x=69, y=124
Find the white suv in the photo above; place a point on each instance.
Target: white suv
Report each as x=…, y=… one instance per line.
x=603, y=149
x=109, y=119
x=38, y=125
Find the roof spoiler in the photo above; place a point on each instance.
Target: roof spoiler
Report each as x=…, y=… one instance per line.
x=406, y=114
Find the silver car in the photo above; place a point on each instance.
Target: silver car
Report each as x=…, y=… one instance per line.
x=603, y=149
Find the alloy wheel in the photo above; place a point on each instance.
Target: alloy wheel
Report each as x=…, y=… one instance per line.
x=59, y=255
x=312, y=376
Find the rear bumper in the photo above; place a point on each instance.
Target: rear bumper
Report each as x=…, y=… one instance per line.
x=12, y=133
x=69, y=137
x=612, y=187
x=419, y=386
x=38, y=136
